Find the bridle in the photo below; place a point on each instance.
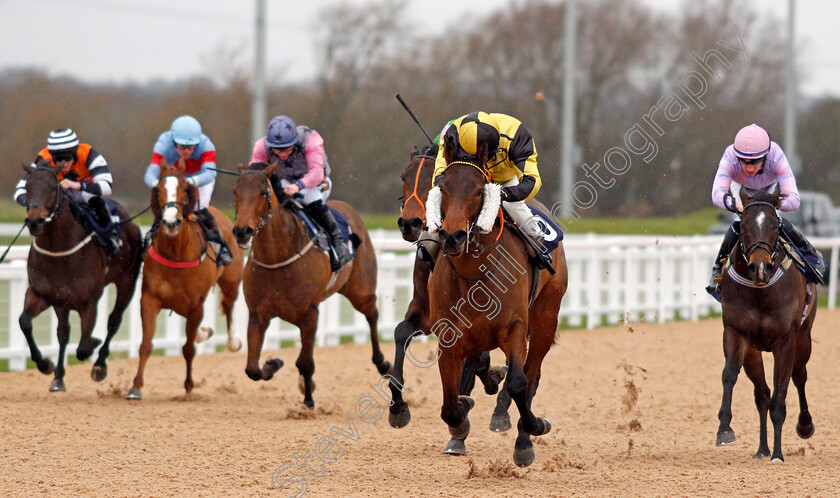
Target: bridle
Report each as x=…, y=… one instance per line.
x=746, y=252
x=59, y=194
x=416, y=185
x=267, y=213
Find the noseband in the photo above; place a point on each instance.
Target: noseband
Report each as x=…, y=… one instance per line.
x=773, y=251
x=474, y=228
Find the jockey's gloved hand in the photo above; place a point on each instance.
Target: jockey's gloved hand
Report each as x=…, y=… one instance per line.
x=505, y=194
x=730, y=203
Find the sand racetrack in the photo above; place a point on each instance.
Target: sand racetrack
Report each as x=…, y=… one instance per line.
x=634, y=410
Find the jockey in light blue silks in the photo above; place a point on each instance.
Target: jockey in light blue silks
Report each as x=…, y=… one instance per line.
x=185, y=141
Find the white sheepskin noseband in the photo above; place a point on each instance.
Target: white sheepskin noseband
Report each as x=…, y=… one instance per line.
x=492, y=201
x=433, y=214
x=486, y=218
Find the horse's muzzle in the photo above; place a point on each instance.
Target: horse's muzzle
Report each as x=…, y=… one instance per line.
x=759, y=272
x=35, y=225
x=453, y=244
x=243, y=235
x=410, y=228
x=171, y=228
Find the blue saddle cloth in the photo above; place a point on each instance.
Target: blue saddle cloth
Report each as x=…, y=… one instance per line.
x=323, y=239
x=552, y=233
x=85, y=215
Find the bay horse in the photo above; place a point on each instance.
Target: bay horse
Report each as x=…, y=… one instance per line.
x=479, y=296
x=179, y=271
x=766, y=307
x=285, y=279
x=68, y=273
x=417, y=181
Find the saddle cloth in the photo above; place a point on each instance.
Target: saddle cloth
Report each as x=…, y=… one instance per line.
x=325, y=242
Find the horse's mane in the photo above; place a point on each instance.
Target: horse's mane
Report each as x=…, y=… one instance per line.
x=258, y=166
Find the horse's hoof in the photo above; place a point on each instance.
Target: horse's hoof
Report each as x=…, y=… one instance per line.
x=462, y=431
x=401, y=418
x=500, y=423
x=384, y=368
x=805, y=432
x=778, y=460
x=203, y=334
x=546, y=427
x=302, y=386
x=57, y=385
x=86, y=348
x=466, y=401
x=134, y=395
x=271, y=367
x=309, y=404
x=49, y=367
x=725, y=438
x=524, y=458
x=761, y=454
x=234, y=344
x=98, y=373
x=498, y=373
x=455, y=447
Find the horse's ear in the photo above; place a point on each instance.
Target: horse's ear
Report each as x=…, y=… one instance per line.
x=154, y=202
x=28, y=167
x=271, y=168
x=163, y=163
x=414, y=153
x=746, y=198
x=181, y=166
x=775, y=193
x=482, y=153
x=192, y=200
x=241, y=168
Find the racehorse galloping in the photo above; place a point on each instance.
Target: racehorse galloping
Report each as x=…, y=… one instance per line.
x=767, y=306
x=479, y=296
x=417, y=181
x=179, y=271
x=284, y=278
x=68, y=273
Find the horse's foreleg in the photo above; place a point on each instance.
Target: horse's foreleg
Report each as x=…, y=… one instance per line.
x=399, y=414
x=455, y=407
x=149, y=309
x=256, y=335
x=308, y=324
x=230, y=291
x=734, y=349
x=782, y=370
x=193, y=321
x=125, y=290
x=805, y=426
x=88, y=343
x=63, y=333
x=754, y=368
x=33, y=306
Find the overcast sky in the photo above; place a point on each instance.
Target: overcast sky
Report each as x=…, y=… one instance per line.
x=140, y=41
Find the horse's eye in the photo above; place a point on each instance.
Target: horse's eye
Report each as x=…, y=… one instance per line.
x=402, y=176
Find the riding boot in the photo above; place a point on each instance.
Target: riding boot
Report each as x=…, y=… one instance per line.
x=214, y=236
x=729, y=240
x=534, y=246
x=111, y=238
x=323, y=216
x=809, y=252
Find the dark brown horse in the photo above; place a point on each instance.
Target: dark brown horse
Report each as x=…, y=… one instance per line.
x=479, y=295
x=764, y=309
x=417, y=181
x=287, y=277
x=180, y=271
x=68, y=272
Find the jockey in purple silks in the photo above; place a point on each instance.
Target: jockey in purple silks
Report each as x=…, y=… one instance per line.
x=302, y=169
x=755, y=162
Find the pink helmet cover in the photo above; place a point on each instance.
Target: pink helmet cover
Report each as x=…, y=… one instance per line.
x=752, y=141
